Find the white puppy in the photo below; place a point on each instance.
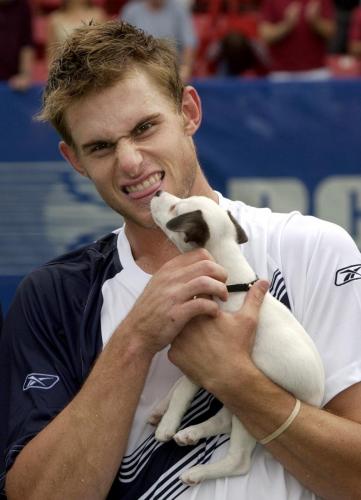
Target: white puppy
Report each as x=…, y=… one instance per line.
x=282, y=349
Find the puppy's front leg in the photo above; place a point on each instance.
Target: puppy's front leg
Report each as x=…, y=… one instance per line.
x=220, y=423
x=160, y=409
x=180, y=400
x=236, y=462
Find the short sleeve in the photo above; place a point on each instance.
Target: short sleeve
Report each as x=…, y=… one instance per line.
x=37, y=374
x=322, y=269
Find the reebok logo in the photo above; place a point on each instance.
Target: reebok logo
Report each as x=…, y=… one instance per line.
x=347, y=274
x=40, y=381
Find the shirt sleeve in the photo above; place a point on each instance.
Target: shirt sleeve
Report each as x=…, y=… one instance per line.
x=37, y=361
x=322, y=270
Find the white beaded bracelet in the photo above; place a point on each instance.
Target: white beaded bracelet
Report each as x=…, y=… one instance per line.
x=285, y=425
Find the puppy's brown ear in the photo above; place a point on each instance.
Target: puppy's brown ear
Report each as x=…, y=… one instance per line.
x=241, y=235
x=193, y=225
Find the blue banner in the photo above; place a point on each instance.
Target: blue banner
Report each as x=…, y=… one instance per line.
x=289, y=145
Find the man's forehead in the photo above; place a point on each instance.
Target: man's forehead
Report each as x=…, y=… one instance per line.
x=118, y=108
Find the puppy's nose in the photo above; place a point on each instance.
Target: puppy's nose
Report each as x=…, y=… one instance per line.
x=158, y=193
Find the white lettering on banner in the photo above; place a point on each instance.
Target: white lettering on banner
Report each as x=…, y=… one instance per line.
x=338, y=199
x=282, y=194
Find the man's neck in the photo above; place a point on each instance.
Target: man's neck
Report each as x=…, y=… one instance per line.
x=150, y=248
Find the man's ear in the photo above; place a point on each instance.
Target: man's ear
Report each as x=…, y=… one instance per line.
x=71, y=157
x=191, y=110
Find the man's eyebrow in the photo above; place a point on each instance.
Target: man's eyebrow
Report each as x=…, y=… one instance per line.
x=146, y=119
x=89, y=145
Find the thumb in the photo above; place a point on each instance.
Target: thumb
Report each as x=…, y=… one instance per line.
x=255, y=296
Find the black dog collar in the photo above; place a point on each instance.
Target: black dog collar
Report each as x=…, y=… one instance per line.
x=241, y=287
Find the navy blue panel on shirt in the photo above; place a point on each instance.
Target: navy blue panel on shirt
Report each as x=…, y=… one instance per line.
x=51, y=339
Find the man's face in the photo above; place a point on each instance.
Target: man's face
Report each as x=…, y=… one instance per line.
x=131, y=142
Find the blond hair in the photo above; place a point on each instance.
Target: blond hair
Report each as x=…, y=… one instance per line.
x=95, y=57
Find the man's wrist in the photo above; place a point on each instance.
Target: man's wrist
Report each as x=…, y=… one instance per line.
x=260, y=404
x=236, y=378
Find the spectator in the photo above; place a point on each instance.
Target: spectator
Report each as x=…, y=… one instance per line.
x=344, y=9
x=166, y=19
x=72, y=14
x=16, y=44
x=355, y=33
x=238, y=55
x=297, y=34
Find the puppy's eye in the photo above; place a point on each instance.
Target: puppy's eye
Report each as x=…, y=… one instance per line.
x=172, y=208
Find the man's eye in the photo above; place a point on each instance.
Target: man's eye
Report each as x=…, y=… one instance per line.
x=100, y=146
x=144, y=127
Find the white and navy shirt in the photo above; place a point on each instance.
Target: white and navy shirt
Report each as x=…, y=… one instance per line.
x=65, y=312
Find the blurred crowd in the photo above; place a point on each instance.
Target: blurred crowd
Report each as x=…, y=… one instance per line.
x=283, y=39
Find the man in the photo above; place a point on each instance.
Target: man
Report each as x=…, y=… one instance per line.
x=354, y=41
x=85, y=353
x=297, y=33
x=16, y=47
x=167, y=19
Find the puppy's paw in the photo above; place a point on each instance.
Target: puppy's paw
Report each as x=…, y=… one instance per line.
x=165, y=432
x=192, y=476
x=187, y=436
x=154, y=418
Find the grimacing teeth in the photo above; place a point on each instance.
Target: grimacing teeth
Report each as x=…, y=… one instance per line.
x=153, y=179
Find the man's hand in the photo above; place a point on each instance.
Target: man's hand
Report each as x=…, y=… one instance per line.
x=209, y=350
x=178, y=292
x=323, y=26
x=273, y=32
x=313, y=12
x=292, y=14
x=20, y=82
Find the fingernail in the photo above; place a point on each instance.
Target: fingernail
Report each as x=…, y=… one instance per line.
x=263, y=285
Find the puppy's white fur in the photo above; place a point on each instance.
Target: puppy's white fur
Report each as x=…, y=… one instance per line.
x=282, y=349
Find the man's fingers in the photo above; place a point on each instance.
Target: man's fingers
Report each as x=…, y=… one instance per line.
x=199, y=307
x=204, y=286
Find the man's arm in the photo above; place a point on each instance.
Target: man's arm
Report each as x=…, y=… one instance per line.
x=23, y=79
x=186, y=64
x=321, y=448
x=273, y=32
x=78, y=454
x=322, y=25
x=354, y=33
x=355, y=48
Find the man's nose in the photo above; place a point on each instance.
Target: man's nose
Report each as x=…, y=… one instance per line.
x=128, y=157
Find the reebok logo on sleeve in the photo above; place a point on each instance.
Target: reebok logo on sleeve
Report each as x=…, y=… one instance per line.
x=347, y=274
x=40, y=381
